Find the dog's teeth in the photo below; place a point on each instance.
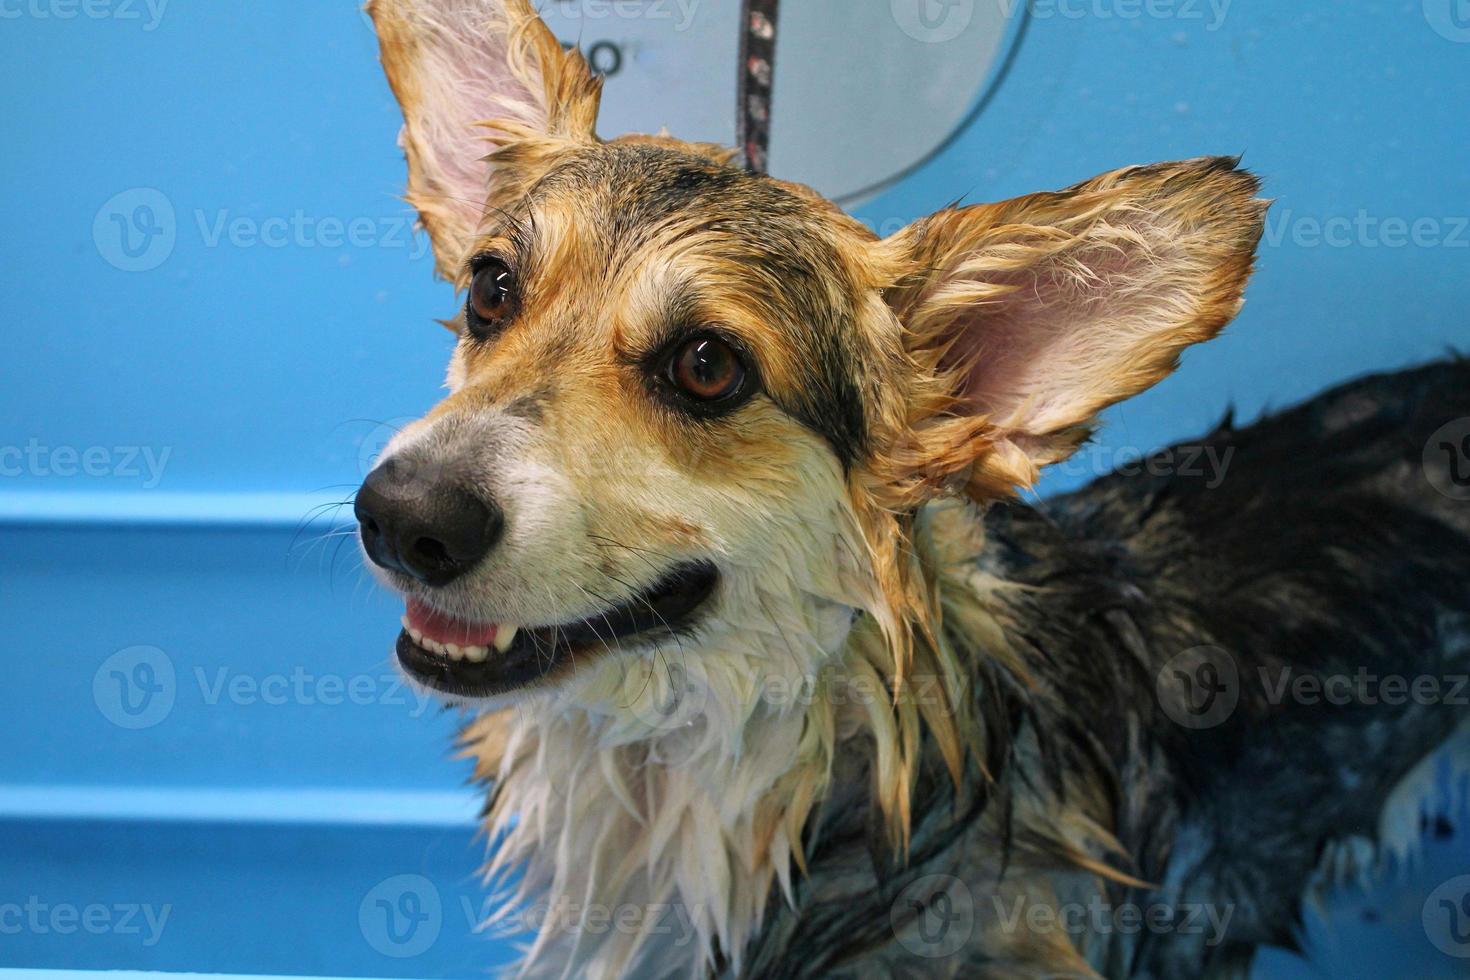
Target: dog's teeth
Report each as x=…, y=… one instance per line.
x=454, y=651
x=505, y=635
x=404, y=620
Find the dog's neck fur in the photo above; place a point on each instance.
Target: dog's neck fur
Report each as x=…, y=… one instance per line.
x=649, y=841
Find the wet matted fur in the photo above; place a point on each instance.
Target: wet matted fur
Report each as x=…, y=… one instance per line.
x=902, y=681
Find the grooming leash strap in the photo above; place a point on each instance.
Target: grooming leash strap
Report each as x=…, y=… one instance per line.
x=757, y=74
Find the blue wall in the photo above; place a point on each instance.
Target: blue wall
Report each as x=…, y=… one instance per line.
x=222, y=393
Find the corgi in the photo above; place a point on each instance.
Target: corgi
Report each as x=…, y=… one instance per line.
x=714, y=539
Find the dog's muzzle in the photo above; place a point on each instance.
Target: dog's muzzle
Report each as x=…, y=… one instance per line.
x=415, y=519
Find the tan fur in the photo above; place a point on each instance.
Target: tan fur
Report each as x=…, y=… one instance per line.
x=471, y=74
x=1100, y=287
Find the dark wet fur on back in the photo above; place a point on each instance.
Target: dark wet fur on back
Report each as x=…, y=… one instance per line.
x=1325, y=549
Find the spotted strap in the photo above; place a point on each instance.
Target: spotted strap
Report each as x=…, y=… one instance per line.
x=757, y=74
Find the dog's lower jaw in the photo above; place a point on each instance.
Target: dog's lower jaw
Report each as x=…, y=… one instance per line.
x=647, y=832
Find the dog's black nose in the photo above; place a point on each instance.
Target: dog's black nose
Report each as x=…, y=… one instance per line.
x=424, y=527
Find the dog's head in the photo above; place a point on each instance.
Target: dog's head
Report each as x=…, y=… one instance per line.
x=692, y=410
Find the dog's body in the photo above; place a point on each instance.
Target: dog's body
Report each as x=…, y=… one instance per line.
x=698, y=536
x=1324, y=553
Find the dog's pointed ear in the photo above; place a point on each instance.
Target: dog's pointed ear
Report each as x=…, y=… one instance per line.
x=489, y=98
x=1023, y=320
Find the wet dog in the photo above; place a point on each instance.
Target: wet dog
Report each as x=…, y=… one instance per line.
x=711, y=535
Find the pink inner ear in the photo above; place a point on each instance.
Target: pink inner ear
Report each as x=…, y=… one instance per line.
x=1002, y=342
x=485, y=90
x=451, y=66
x=1039, y=355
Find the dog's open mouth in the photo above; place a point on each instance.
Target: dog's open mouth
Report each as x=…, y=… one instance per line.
x=467, y=659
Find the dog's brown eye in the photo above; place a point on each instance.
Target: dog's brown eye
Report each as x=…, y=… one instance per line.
x=491, y=294
x=708, y=369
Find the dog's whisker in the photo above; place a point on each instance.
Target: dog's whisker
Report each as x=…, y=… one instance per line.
x=607, y=604
x=325, y=511
x=674, y=634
